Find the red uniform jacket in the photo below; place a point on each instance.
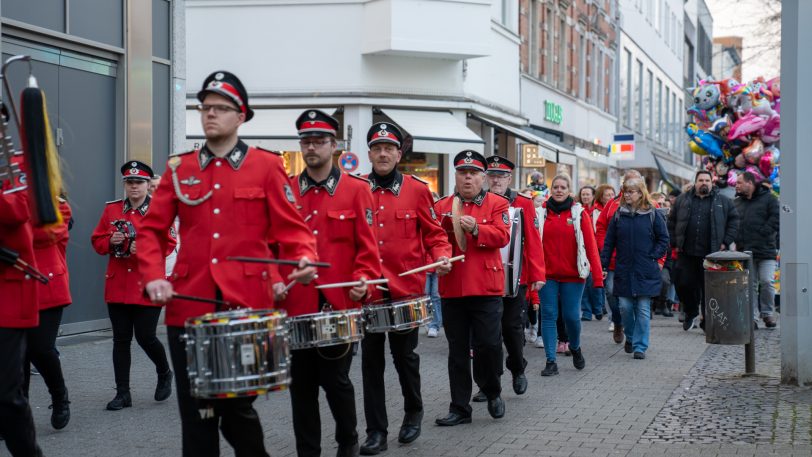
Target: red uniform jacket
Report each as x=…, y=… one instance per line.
x=247, y=197
x=18, y=291
x=603, y=224
x=533, y=254
x=561, y=248
x=481, y=272
x=407, y=229
x=50, y=245
x=123, y=278
x=339, y=213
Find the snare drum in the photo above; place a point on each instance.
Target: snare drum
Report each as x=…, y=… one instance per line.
x=402, y=314
x=326, y=329
x=237, y=353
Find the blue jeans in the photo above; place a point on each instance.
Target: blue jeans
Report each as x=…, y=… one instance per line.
x=570, y=295
x=609, y=288
x=636, y=312
x=591, y=301
x=433, y=292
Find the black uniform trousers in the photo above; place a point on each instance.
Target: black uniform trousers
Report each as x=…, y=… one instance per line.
x=373, y=364
x=16, y=422
x=328, y=368
x=473, y=322
x=514, y=309
x=236, y=417
x=142, y=321
x=689, y=281
x=41, y=352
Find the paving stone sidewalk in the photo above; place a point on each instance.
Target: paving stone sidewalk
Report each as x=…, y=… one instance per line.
x=670, y=404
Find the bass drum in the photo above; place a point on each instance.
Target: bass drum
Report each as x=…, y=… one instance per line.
x=512, y=253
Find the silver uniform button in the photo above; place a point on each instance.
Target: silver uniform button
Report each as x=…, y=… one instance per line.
x=217, y=186
x=50, y=275
x=214, y=261
x=218, y=163
x=216, y=210
x=216, y=236
x=129, y=270
x=315, y=232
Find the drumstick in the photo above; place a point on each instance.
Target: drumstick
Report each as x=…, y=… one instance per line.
x=352, y=283
x=289, y=286
x=432, y=265
x=456, y=213
x=200, y=299
x=294, y=263
x=382, y=288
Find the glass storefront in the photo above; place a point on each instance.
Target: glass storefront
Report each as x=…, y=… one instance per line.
x=425, y=166
x=591, y=173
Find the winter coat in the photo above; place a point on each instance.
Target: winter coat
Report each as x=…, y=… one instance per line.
x=639, y=241
x=724, y=220
x=760, y=223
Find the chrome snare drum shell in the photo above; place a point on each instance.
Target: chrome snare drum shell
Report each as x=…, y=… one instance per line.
x=237, y=353
x=326, y=329
x=398, y=315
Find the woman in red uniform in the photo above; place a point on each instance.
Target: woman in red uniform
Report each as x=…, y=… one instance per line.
x=129, y=309
x=50, y=245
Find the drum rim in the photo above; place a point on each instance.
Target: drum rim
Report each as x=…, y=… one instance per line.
x=324, y=314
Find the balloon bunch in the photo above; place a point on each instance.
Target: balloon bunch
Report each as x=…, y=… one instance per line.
x=735, y=127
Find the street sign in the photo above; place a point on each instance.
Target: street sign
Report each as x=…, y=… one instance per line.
x=622, y=147
x=348, y=161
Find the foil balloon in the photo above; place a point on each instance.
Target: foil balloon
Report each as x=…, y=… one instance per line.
x=732, y=176
x=754, y=151
x=765, y=164
x=771, y=132
x=704, y=141
x=746, y=125
x=755, y=172
x=739, y=161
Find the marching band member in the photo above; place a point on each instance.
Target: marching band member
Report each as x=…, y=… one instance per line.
x=50, y=246
x=228, y=197
x=129, y=310
x=18, y=313
x=337, y=207
x=407, y=227
x=472, y=292
x=499, y=174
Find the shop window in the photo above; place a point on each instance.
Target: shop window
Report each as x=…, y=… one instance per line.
x=425, y=166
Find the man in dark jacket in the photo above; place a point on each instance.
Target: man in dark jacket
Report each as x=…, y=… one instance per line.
x=701, y=221
x=758, y=209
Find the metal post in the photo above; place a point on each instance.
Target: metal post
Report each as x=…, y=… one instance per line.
x=750, y=348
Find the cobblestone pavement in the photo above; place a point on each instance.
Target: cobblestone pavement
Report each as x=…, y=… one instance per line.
x=616, y=406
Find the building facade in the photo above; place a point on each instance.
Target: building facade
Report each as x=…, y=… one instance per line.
x=727, y=61
x=112, y=73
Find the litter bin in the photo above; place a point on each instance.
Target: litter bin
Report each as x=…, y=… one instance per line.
x=728, y=309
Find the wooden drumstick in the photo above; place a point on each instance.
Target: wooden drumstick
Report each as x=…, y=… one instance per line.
x=336, y=285
x=456, y=214
x=431, y=265
x=294, y=263
x=201, y=299
x=288, y=286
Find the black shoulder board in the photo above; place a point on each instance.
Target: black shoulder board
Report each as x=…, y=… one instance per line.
x=420, y=180
x=499, y=195
x=279, y=153
x=442, y=198
x=114, y=201
x=524, y=196
x=358, y=177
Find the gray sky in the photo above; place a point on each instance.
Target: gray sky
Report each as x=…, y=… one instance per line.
x=761, y=44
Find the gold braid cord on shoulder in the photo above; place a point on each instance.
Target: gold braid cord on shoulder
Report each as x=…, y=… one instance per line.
x=174, y=163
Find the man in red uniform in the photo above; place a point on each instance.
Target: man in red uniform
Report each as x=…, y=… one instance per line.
x=130, y=311
x=407, y=228
x=337, y=207
x=472, y=291
x=228, y=198
x=18, y=312
x=499, y=174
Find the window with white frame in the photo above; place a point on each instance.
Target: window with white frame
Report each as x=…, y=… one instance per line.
x=649, y=104
x=638, y=96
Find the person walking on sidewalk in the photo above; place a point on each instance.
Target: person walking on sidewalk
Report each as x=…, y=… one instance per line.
x=571, y=255
x=701, y=221
x=593, y=298
x=758, y=209
x=639, y=236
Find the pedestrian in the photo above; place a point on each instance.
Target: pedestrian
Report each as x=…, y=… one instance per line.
x=537, y=182
x=432, y=290
x=129, y=310
x=477, y=223
x=701, y=221
x=637, y=233
x=616, y=327
x=408, y=232
x=571, y=255
x=50, y=246
x=593, y=298
x=20, y=312
x=499, y=175
x=758, y=233
x=229, y=198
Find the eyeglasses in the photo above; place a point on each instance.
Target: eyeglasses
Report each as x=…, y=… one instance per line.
x=315, y=144
x=218, y=109
x=631, y=191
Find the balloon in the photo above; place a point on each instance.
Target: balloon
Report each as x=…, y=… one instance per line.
x=746, y=125
x=775, y=152
x=739, y=100
x=756, y=173
x=754, y=151
x=704, y=141
x=739, y=161
x=771, y=132
x=707, y=103
x=732, y=176
x=765, y=164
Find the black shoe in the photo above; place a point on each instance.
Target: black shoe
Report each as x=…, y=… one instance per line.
x=496, y=407
x=452, y=419
x=551, y=369
x=60, y=412
x=122, y=400
x=480, y=397
x=689, y=322
x=374, y=444
x=578, y=360
x=599, y=316
x=628, y=347
x=667, y=312
x=164, y=388
x=639, y=355
x=702, y=324
x=410, y=429
x=520, y=384
x=348, y=450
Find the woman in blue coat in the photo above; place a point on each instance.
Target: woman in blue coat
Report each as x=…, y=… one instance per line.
x=637, y=232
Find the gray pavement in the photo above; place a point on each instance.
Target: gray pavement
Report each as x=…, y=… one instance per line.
x=685, y=399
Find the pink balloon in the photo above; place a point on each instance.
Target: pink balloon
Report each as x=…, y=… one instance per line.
x=747, y=124
x=754, y=151
x=756, y=172
x=765, y=164
x=732, y=175
x=771, y=132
